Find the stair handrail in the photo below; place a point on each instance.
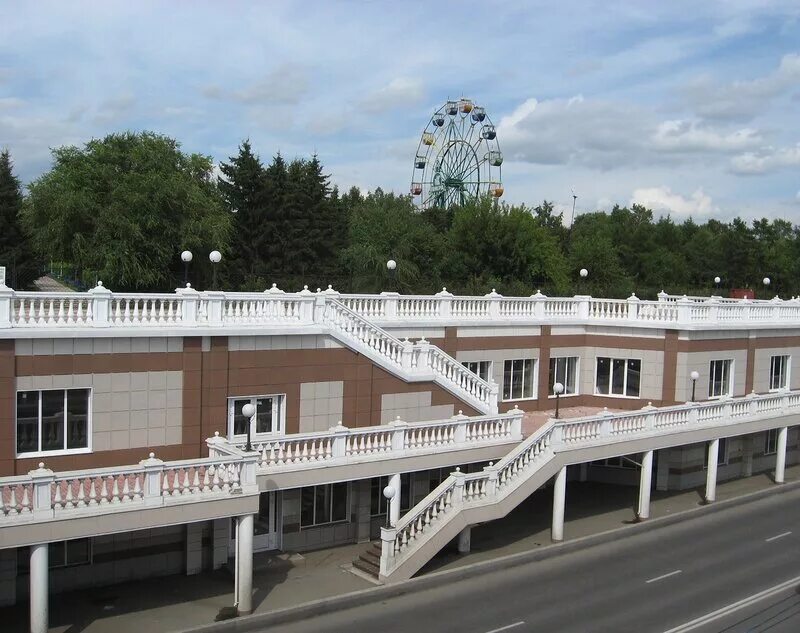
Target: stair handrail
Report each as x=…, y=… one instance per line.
x=419, y=358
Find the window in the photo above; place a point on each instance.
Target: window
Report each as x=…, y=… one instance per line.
x=565, y=371
x=618, y=376
x=779, y=373
x=268, y=418
x=771, y=441
x=379, y=504
x=722, y=453
x=719, y=382
x=323, y=504
x=60, y=554
x=481, y=367
x=52, y=420
x=518, y=379
x=615, y=462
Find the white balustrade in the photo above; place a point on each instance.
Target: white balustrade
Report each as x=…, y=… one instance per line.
x=38, y=309
x=145, y=310
x=396, y=439
x=561, y=436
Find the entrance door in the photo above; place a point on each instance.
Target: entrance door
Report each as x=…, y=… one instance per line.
x=265, y=528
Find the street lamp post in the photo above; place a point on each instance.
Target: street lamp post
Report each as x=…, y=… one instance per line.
x=766, y=281
x=694, y=376
x=584, y=274
x=186, y=257
x=391, y=266
x=215, y=257
x=248, y=411
x=389, y=492
x=717, y=281
x=558, y=389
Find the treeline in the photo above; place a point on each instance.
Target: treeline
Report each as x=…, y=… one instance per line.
x=122, y=209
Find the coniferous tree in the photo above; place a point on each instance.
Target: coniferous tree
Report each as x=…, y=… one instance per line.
x=15, y=251
x=244, y=190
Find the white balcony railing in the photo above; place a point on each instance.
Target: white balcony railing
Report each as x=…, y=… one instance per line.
x=43, y=495
x=489, y=486
x=187, y=308
x=341, y=445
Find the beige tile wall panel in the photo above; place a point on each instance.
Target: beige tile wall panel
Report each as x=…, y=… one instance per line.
x=621, y=330
x=129, y=409
x=499, y=331
x=97, y=345
x=701, y=362
x=259, y=343
x=652, y=369
x=763, y=361
x=321, y=405
x=412, y=407
x=414, y=333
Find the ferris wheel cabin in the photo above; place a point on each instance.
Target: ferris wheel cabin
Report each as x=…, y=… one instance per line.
x=416, y=188
x=438, y=119
x=488, y=132
x=451, y=108
x=420, y=161
x=496, y=189
x=428, y=138
x=495, y=158
x=478, y=114
x=466, y=106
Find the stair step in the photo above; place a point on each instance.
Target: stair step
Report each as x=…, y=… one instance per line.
x=371, y=557
x=366, y=567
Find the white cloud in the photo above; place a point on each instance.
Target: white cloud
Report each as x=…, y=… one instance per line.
x=286, y=84
x=665, y=200
x=398, y=93
x=746, y=99
x=766, y=160
x=10, y=103
x=683, y=136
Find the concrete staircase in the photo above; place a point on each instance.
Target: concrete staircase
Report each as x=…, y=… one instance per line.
x=369, y=561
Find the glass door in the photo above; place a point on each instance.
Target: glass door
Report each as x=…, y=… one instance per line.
x=265, y=527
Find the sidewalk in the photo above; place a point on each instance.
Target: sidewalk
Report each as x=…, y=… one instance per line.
x=281, y=580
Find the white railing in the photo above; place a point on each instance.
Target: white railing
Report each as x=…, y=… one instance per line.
x=187, y=308
x=341, y=445
x=44, y=495
x=493, y=483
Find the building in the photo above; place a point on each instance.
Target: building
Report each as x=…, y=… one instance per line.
x=124, y=420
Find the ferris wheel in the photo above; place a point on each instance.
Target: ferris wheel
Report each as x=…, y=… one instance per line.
x=458, y=157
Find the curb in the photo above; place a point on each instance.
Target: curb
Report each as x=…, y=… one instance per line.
x=364, y=596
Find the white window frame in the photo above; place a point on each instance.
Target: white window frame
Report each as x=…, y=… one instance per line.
x=278, y=416
x=552, y=380
x=474, y=367
x=316, y=523
x=787, y=369
x=534, y=379
x=729, y=392
x=61, y=451
x=611, y=378
x=771, y=439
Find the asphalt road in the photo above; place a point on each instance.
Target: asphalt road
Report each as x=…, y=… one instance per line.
x=649, y=582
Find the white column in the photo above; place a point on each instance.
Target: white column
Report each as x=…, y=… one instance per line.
x=244, y=563
x=464, y=540
x=780, y=457
x=645, y=481
x=394, y=505
x=559, y=499
x=711, y=473
x=38, y=591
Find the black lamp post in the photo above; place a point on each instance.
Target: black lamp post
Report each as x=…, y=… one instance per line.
x=694, y=376
x=391, y=266
x=214, y=257
x=558, y=389
x=248, y=411
x=186, y=257
x=389, y=492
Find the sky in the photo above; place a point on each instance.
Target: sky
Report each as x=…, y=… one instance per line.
x=691, y=108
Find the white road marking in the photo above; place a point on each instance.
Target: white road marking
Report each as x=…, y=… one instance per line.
x=508, y=626
x=732, y=608
x=775, y=538
x=656, y=579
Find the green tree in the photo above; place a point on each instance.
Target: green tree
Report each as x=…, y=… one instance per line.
x=242, y=185
x=15, y=250
x=124, y=207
